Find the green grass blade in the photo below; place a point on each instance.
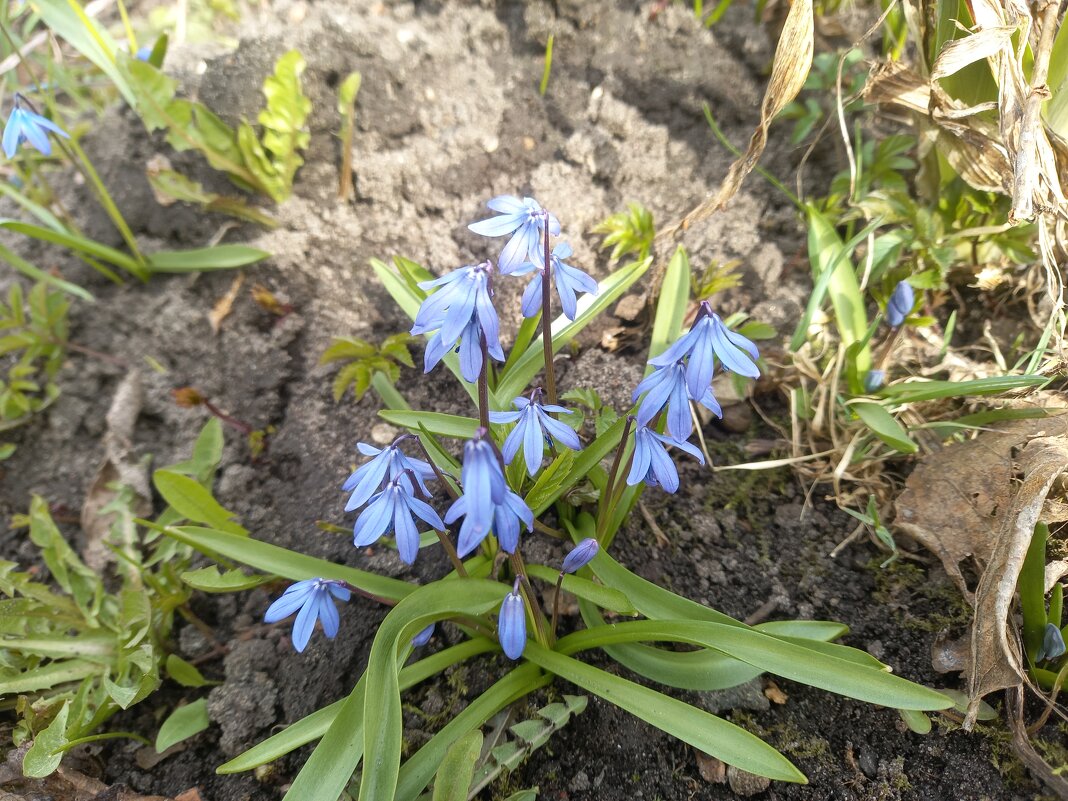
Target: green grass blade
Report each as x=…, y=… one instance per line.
x=604, y=597
x=693, y=726
x=76, y=243
x=915, y=391
x=37, y=274
x=198, y=260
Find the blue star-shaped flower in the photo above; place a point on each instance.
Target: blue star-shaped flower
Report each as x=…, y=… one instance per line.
x=394, y=509
x=709, y=339
x=24, y=125
x=389, y=461
x=460, y=310
x=667, y=386
x=525, y=220
x=569, y=281
x=534, y=431
x=651, y=462
x=314, y=598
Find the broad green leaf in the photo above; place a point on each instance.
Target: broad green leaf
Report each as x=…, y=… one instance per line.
x=219, y=257
x=915, y=391
x=884, y=426
x=45, y=754
x=453, y=779
x=184, y=673
x=773, y=654
x=281, y=561
x=443, y=425
x=693, y=726
x=193, y=501
x=671, y=305
x=316, y=724
x=564, y=330
x=211, y=579
x=182, y=724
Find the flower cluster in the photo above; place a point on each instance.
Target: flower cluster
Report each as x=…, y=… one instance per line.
x=390, y=489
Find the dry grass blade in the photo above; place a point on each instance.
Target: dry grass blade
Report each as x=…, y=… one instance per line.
x=959, y=53
x=793, y=58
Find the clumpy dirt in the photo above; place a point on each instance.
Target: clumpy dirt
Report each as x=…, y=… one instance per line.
x=448, y=116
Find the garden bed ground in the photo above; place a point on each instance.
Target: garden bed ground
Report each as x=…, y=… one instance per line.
x=448, y=116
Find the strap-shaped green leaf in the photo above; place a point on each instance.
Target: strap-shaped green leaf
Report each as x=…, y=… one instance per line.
x=198, y=260
x=884, y=426
x=443, y=425
x=693, y=726
x=671, y=305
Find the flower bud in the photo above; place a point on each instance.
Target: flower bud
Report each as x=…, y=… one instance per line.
x=512, y=624
x=581, y=555
x=873, y=380
x=423, y=637
x=900, y=304
x=1052, y=643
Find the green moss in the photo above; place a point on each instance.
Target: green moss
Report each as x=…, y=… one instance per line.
x=902, y=587
x=785, y=737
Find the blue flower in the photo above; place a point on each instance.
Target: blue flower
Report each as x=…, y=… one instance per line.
x=901, y=301
x=581, y=555
x=144, y=53
x=708, y=339
x=24, y=125
x=651, y=462
x=388, y=462
x=525, y=220
x=569, y=281
x=393, y=510
x=506, y=519
x=315, y=600
x=461, y=309
x=1052, y=644
x=423, y=637
x=534, y=431
x=874, y=379
x=512, y=624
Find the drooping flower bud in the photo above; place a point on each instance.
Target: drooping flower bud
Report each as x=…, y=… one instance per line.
x=512, y=624
x=581, y=555
x=900, y=304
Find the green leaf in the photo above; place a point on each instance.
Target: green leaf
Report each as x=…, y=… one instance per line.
x=453, y=779
x=551, y=483
x=184, y=673
x=564, y=330
x=283, y=120
x=281, y=561
x=37, y=274
x=1031, y=587
x=194, y=502
x=671, y=305
x=209, y=579
x=417, y=771
x=584, y=462
x=182, y=724
x=693, y=726
x=442, y=425
x=318, y=723
x=68, y=19
x=46, y=753
x=604, y=597
x=884, y=426
x=79, y=244
x=196, y=260
x=915, y=391
x=773, y=654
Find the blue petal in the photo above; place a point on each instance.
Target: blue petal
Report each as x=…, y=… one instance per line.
x=679, y=420
x=708, y=400
x=641, y=459
x=425, y=512
x=423, y=637
x=657, y=394
x=405, y=533
x=36, y=135
x=328, y=615
x=374, y=521
x=664, y=469
x=701, y=365
x=369, y=481
x=305, y=624
x=566, y=293
x=436, y=348
x=512, y=443
x=532, y=297
x=678, y=350
x=506, y=527
x=533, y=440
x=501, y=418
x=501, y=225
x=456, y=511
x=508, y=204
x=471, y=353
x=290, y=601
x=560, y=432
x=733, y=359
x=338, y=591
x=12, y=130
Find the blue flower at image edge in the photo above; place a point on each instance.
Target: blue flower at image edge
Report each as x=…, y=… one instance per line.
x=24, y=125
x=312, y=599
x=524, y=219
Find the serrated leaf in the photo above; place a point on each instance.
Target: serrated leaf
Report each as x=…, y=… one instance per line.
x=283, y=119
x=41, y=759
